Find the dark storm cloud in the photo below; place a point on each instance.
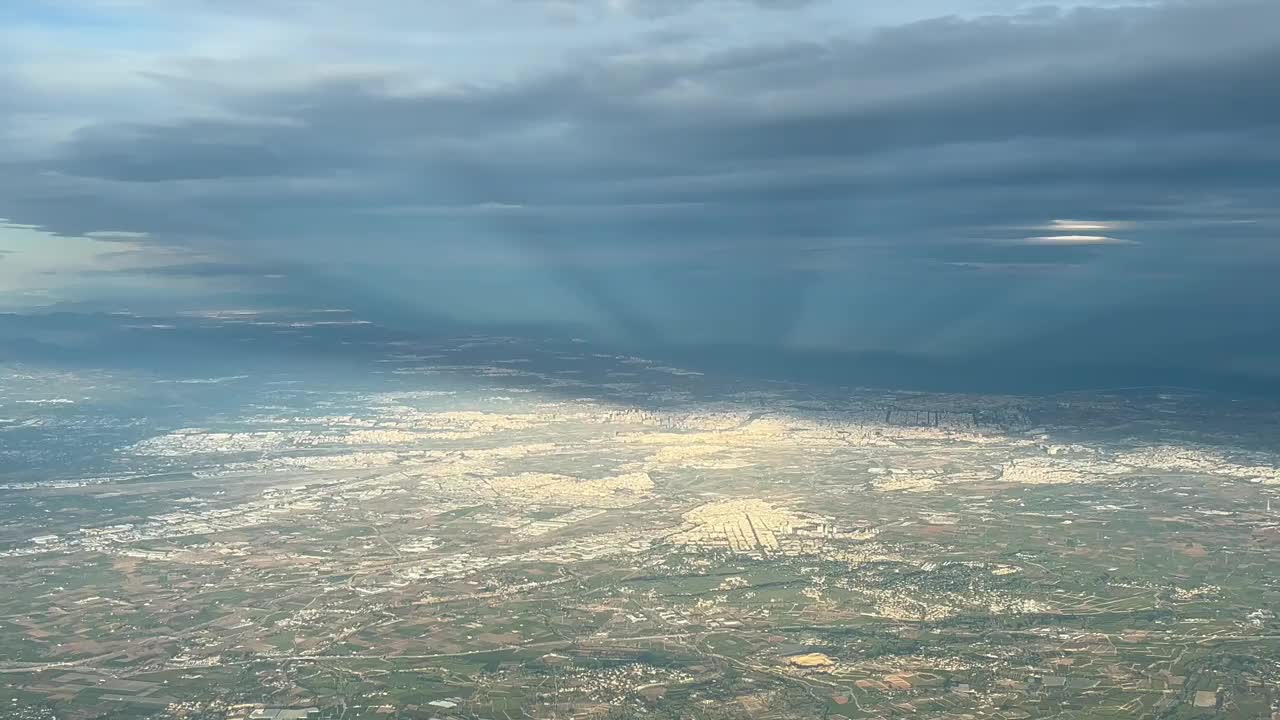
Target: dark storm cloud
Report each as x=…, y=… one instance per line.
x=1153, y=94
x=802, y=180
x=660, y=8
x=204, y=269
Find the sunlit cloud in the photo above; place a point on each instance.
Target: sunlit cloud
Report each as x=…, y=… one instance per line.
x=1067, y=240
x=1085, y=226
x=116, y=235
x=41, y=266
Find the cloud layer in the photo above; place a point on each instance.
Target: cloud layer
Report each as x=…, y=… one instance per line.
x=783, y=174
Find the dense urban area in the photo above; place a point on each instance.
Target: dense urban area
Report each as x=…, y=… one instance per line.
x=488, y=527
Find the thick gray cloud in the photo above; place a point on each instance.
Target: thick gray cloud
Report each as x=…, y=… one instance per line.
x=663, y=8
x=874, y=186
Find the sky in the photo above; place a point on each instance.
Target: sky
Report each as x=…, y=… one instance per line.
x=973, y=181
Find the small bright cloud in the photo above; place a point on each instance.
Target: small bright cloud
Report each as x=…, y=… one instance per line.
x=1084, y=226
x=116, y=235
x=1074, y=240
